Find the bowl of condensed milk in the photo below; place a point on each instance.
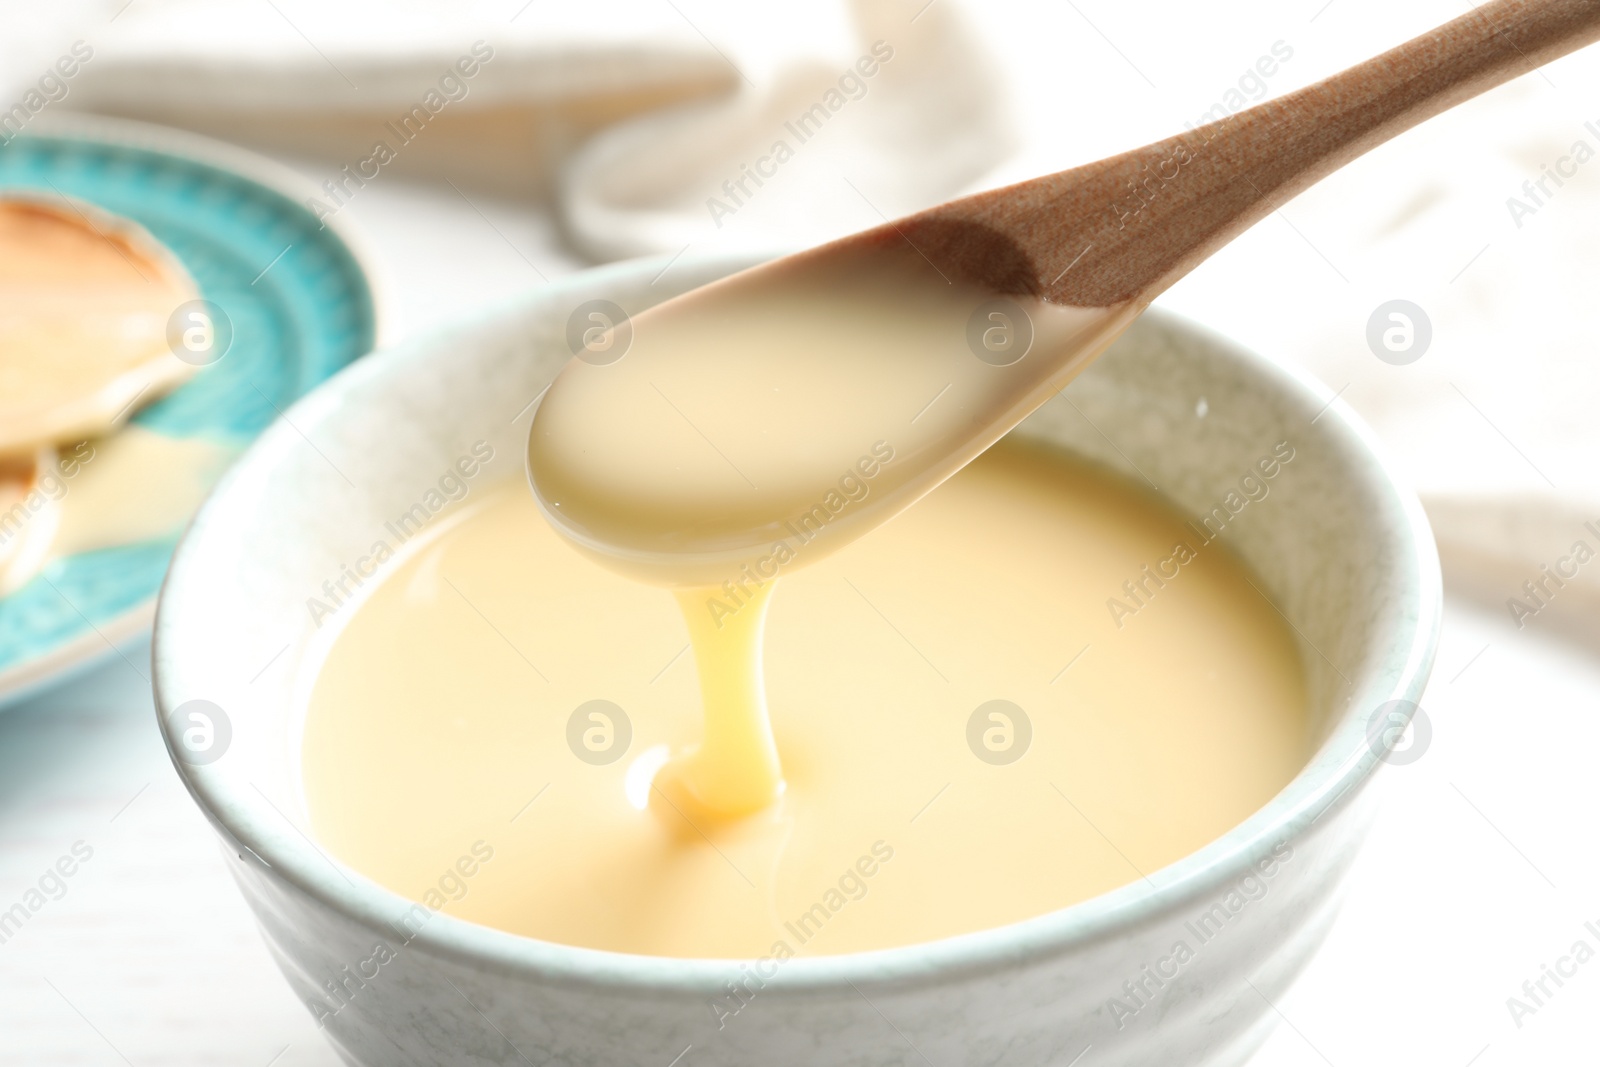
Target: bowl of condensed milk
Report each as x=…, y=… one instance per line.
x=1075, y=753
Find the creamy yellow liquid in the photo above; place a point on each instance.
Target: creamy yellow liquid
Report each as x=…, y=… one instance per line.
x=134, y=485
x=437, y=732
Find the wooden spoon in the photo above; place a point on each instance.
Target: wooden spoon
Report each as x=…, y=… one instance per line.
x=1128, y=227
x=757, y=423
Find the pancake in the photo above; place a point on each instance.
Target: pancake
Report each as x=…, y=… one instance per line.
x=85, y=300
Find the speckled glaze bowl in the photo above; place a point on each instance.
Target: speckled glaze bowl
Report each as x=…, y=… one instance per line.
x=1342, y=552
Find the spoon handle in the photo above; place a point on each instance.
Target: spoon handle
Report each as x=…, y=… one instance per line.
x=1127, y=227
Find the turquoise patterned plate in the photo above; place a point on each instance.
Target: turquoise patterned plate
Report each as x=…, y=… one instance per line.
x=301, y=308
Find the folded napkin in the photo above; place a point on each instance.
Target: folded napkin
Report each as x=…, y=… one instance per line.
x=717, y=81
x=361, y=55
x=905, y=112
x=493, y=93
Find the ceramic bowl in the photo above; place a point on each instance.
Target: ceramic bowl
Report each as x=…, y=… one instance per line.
x=1343, y=553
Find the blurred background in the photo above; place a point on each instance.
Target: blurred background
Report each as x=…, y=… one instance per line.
x=471, y=151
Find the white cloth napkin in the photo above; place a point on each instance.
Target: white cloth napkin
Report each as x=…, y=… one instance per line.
x=904, y=112
x=712, y=83
x=331, y=56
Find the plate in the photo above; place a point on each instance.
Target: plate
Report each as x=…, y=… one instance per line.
x=300, y=304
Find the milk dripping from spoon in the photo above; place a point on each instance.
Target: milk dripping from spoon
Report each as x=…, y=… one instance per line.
x=762, y=421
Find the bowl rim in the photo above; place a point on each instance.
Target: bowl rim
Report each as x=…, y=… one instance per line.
x=1343, y=762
